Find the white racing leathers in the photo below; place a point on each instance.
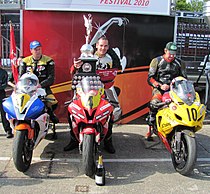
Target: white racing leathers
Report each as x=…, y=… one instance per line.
x=112, y=96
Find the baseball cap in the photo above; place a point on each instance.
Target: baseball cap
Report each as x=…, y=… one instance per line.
x=171, y=47
x=34, y=44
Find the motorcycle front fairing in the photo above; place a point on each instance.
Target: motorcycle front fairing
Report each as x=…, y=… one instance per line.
x=23, y=107
x=90, y=108
x=185, y=109
x=9, y=108
x=24, y=104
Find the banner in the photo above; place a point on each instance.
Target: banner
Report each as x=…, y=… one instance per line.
x=152, y=7
x=13, y=53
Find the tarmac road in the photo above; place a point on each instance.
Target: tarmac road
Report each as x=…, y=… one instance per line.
x=137, y=166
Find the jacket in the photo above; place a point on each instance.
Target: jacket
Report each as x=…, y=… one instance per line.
x=44, y=69
x=163, y=72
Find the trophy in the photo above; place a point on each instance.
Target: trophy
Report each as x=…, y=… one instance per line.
x=87, y=56
x=88, y=67
x=87, y=49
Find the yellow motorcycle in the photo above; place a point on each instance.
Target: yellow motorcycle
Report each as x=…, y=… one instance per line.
x=180, y=115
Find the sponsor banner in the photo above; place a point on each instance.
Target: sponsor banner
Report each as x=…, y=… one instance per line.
x=152, y=7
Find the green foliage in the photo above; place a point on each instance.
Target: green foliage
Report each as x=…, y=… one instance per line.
x=194, y=5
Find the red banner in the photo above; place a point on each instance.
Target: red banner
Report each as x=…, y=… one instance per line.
x=13, y=53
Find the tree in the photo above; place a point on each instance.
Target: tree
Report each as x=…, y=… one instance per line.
x=193, y=5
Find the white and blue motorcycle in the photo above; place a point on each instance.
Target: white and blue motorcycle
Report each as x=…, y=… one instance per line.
x=28, y=117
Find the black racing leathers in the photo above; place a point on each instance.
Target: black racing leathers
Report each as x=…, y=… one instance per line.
x=43, y=68
x=3, y=85
x=163, y=72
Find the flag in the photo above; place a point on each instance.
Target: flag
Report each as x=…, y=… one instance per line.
x=13, y=53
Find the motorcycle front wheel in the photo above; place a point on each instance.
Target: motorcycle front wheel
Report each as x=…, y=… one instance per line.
x=184, y=159
x=22, y=151
x=88, y=155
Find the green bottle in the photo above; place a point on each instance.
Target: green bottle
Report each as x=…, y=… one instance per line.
x=100, y=172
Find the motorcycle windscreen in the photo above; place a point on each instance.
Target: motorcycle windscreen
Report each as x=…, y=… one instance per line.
x=28, y=84
x=9, y=107
x=35, y=110
x=184, y=89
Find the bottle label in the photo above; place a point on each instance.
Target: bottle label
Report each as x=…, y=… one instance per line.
x=98, y=179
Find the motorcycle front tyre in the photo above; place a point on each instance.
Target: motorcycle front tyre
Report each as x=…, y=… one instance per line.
x=22, y=152
x=89, y=155
x=189, y=153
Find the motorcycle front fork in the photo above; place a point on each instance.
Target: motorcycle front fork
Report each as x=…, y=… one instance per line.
x=176, y=142
x=97, y=146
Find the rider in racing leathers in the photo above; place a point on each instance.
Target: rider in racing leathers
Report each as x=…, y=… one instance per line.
x=107, y=59
x=44, y=68
x=162, y=71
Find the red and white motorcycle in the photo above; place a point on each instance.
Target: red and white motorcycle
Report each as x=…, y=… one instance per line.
x=91, y=114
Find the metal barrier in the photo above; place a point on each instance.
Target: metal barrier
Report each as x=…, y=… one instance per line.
x=5, y=48
x=10, y=1
x=11, y=4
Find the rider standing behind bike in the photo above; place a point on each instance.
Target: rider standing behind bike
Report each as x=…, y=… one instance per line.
x=44, y=68
x=163, y=69
x=107, y=59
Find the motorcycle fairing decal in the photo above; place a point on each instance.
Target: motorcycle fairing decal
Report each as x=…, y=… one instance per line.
x=105, y=106
x=81, y=116
x=78, y=115
x=90, y=101
x=76, y=111
x=98, y=117
x=166, y=125
x=21, y=101
x=75, y=115
x=105, y=115
x=88, y=131
x=103, y=112
x=75, y=106
x=202, y=110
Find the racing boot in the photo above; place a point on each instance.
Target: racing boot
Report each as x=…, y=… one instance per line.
x=108, y=146
x=10, y=134
x=72, y=144
x=151, y=118
x=53, y=117
x=151, y=122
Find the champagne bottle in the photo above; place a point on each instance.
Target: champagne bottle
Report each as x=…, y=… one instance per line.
x=100, y=172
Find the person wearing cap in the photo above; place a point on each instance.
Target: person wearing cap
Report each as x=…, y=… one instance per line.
x=163, y=69
x=44, y=68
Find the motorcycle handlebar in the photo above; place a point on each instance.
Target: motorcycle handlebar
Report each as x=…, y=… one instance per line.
x=160, y=104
